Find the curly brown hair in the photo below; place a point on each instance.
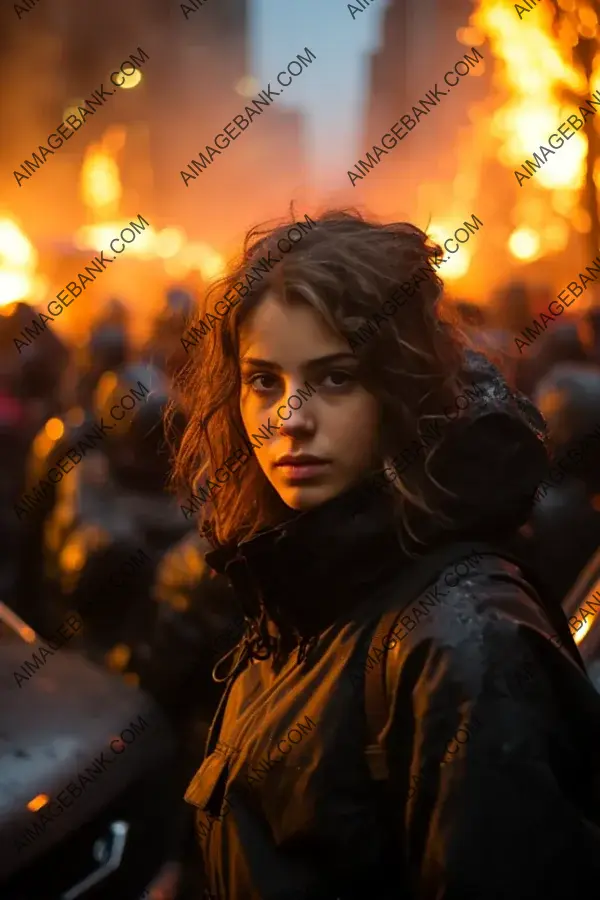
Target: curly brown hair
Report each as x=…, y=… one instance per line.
x=346, y=267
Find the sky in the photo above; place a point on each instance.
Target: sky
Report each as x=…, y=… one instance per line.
x=332, y=91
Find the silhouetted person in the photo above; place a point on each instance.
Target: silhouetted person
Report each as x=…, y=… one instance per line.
x=565, y=521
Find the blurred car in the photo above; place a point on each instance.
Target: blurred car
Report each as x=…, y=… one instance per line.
x=582, y=608
x=88, y=793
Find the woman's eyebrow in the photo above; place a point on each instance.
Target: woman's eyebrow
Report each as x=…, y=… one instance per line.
x=319, y=360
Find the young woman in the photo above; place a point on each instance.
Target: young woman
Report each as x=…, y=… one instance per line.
x=403, y=718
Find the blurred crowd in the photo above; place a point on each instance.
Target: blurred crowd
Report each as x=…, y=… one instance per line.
x=560, y=372
x=109, y=541
x=87, y=522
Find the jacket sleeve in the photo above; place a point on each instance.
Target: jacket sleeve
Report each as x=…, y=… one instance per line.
x=492, y=775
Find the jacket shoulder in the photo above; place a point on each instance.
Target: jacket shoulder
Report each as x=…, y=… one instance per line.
x=487, y=628
x=469, y=619
x=484, y=592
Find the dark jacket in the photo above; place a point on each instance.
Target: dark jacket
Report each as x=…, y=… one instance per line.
x=492, y=732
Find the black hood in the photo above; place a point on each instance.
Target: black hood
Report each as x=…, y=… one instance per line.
x=491, y=458
x=569, y=396
x=293, y=579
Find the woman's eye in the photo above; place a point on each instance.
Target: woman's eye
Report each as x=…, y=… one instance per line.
x=255, y=382
x=339, y=378
x=263, y=382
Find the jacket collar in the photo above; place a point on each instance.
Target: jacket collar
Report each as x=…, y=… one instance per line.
x=302, y=589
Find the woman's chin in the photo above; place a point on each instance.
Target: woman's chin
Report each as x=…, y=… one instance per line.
x=305, y=496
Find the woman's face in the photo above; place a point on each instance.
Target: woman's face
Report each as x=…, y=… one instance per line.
x=285, y=349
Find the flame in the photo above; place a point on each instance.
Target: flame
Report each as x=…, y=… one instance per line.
x=536, y=69
x=101, y=189
x=538, y=82
x=18, y=264
x=98, y=237
x=170, y=244
x=101, y=192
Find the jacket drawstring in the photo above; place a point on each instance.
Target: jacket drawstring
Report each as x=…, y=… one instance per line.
x=243, y=651
x=256, y=643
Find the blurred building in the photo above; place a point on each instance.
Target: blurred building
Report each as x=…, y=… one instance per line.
x=417, y=39
x=388, y=73
x=260, y=171
x=194, y=82
x=418, y=46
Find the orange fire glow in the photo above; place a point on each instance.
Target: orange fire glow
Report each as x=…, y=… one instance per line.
x=38, y=802
x=101, y=193
x=455, y=266
x=101, y=185
x=537, y=82
x=18, y=265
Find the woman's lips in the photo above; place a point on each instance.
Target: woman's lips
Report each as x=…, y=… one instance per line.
x=303, y=471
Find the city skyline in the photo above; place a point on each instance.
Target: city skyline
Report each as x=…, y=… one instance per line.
x=334, y=98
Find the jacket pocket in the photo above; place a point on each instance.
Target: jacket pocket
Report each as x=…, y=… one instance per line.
x=208, y=787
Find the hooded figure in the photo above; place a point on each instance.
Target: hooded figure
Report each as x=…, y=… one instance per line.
x=112, y=520
x=164, y=346
x=559, y=344
x=565, y=523
x=405, y=715
x=107, y=349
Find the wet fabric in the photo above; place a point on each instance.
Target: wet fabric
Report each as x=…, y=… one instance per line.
x=493, y=731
